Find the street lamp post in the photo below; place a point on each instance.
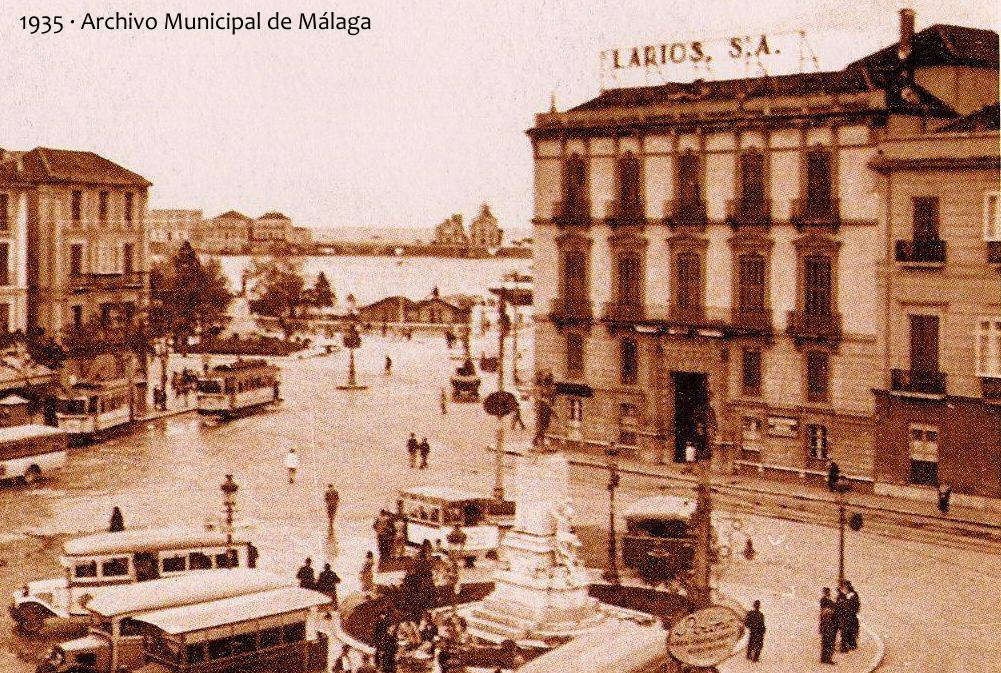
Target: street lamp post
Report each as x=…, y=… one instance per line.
x=502, y=327
x=841, y=489
x=612, y=574
x=229, y=489
x=352, y=341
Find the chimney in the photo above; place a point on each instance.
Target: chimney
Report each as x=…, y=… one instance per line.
x=906, y=43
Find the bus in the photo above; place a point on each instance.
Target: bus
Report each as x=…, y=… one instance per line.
x=96, y=562
x=228, y=390
x=241, y=620
x=27, y=451
x=431, y=513
x=89, y=409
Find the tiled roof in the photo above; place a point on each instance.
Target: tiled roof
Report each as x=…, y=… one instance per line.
x=940, y=45
x=233, y=215
x=984, y=119
x=44, y=165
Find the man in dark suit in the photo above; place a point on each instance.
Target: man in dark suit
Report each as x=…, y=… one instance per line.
x=755, y=623
x=828, y=628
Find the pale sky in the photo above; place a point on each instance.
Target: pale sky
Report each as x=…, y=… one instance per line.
x=422, y=116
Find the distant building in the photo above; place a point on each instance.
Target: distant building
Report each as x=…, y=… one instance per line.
x=301, y=238
x=451, y=232
x=171, y=226
x=401, y=311
x=225, y=233
x=13, y=245
x=271, y=227
x=483, y=230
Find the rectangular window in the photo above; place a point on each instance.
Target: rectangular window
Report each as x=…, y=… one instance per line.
x=923, y=453
x=818, y=376
x=988, y=347
x=106, y=309
x=629, y=183
x=689, y=281
x=924, y=343
x=816, y=438
x=818, y=181
x=85, y=569
x=76, y=205
x=294, y=633
x=628, y=423
x=102, y=206
x=76, y=259
x=4, y=264
x=77, y=316
x=630, y=279
x=269, y=638
x=575, y=356
x=129, y=312
x=752, y=284
x=574, y=278
x=174, y=564
x=129, y=202
x=752, y=177
x=992, y=217
x=817, y=285
x=751, y=369
x=575, y=183
x=128, y=261
x=4, y=317
x=689, y=190
x=116, y=567
x=4, y=213
x=629, y=362
x=220, y=648
x=925, y=218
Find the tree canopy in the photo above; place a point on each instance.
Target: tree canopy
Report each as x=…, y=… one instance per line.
x=278, y=290
x=188, y=297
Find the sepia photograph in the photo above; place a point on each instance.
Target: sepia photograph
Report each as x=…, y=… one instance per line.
x=500, y=336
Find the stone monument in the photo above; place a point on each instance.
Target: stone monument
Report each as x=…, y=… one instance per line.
x=542, y=592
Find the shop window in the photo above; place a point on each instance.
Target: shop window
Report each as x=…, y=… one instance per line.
x=628, y=362
x=816, y=439
x=751, y=372
x=818, y=376
x=988, y=347
x=923, y=454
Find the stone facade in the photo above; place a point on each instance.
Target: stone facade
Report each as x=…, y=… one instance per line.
x=13, y=251
x=483, y=230
x=451, y=232
x=225, y=233
x=171, y=227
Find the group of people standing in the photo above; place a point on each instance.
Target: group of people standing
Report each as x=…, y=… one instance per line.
x=390, y=534
x=415, y=449
x=838, y=617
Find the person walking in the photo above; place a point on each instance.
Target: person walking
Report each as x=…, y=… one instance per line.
x=516, y=419
x=412, y=447
x=383, y=534
x=425, y=451
x=944, y=496
x=291, y=464
x=827, y=628
x=117, y=521
x=306, y=575
x=389, y=365
x=840, y=615
x=755, y=623
x=850, y=630
x=444, y=402
x=326, y=583
x=367, y=574
x=331, y=498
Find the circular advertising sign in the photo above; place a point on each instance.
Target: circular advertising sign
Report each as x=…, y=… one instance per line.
x=706, y=637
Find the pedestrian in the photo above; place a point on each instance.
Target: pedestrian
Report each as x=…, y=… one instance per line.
x=827, y=627
x=252, y=555
x=367, y=574
x=379, y=630
x=331, y=498
x=343, y=661
x=849, y=633
x=833, y=475
x=755, y=623
x=326, y=583
x=117, y=522
x=516, y=419
x=425, y=450
x=944, y=495
x=305, y=575
x=389, y=365
x=390, y=646
x=291, y=464
x=383, y=534
x=841, y=615
x=444, y=402
x=412, y=448
x=366, y=665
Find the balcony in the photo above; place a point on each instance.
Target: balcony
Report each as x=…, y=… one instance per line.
x=625, y=213
x=749, y=213
x=911, y=381
x=615, y=312
x=825, y=213
x=751, y=321
x=87, y=282
x=991, y=387
x=822, y=327
x=685, y=213
x=994, y=252
x=571, y=312
x=926, y=253
x=572, y=213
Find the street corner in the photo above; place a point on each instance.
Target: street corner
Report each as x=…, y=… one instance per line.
x=791, y=639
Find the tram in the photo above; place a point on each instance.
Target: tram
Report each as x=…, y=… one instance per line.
x=95, y=562
x=88, y=409
x=432, y=513
x=226, y=391
x=26, y=451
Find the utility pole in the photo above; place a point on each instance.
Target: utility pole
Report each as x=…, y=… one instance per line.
x=841, y=538
x=612, y=574
x=229, y=489
x=502, y=325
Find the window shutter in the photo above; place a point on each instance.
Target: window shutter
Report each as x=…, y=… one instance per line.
x=924, y=343
x=752, y=177
x=926, y=218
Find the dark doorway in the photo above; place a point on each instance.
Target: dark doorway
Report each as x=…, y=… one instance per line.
x=690, y=392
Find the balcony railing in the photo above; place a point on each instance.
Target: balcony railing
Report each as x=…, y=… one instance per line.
x=625, y=213
x=921, y=252
x=991, y=387
x=816, y=213
x=751, y=320
x=994, y=252
x=911, y=381
x=749, y=213
x=106, y=281
x=685, y=213
x=572, y=213
x=616, y=312
x=802, y=325
x=571, y=311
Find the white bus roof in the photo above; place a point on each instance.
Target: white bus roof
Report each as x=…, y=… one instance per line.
x=188, y=618
x=146, y=540
x=443, y=493
x=664, y=506
x=30, y=431
x=188, y=589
